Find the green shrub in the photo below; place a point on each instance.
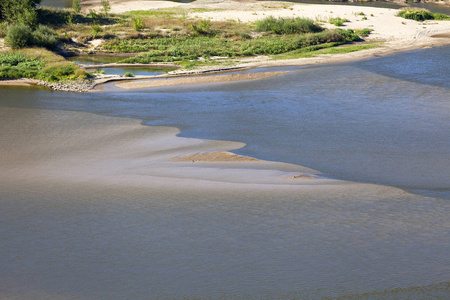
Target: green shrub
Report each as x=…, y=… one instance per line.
x=202, y=27
x=80, y=74
x=93, y=14
x=96, y=29
x=45, y=37
x=438, y=16
x=128, y=74
x=363, y=32
x=105, y=7
x=18, y=65
x=420, y=15
x=19, y=36
x=76, y=5
x=287, y=25
x=349, y=35
x=3, y=29
x=58, y=72
x=338, y=21
x=138, y=23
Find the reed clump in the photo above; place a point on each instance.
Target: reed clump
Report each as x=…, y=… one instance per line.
x=287, y=25
x=421, y=15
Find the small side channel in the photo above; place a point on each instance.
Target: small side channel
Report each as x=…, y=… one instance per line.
x=109, y=65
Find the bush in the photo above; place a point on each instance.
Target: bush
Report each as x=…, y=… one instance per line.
x=128, y=74
x=81, y=74
x=441, y=17
x=3, y=29
x=19, y=36
x=420, y=15
x=138, y=23
x=96, y=29
x=45, y=37
x=18, y=65
x=202, y=27
x=287, y=25
x=363, y=32
x=58, y=72
x=338, y=21
x=105, y=7
x=76, y=5
x=349, y=35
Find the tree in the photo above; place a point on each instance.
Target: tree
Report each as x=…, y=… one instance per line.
x=19, y=11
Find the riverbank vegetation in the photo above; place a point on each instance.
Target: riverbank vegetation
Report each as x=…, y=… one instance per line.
x=165, y=35
x=39, y=64
x=421, y=15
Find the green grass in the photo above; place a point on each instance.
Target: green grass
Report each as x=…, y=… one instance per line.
x=18, y=65
x=349, y=49
x=287, y=25
x=327, y=48
x=151, y=13
x=338, y=21
x=38, y=63
x=363, y=32
x=165, y=49
x=421, y=15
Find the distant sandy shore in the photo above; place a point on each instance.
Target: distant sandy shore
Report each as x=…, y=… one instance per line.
x=394, y=34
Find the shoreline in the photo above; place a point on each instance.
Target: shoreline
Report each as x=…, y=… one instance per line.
x=394, y=34
x=195, y=76
x=319, y=60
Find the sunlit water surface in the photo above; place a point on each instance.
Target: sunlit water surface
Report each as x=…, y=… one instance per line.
x=383, y=120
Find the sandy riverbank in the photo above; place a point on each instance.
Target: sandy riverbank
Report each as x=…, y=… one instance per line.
x=126, y=152
x=394, y=34
x=195, y=80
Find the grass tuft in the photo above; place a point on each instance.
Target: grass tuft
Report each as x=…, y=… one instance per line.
x=287, y=25
x=421, y=15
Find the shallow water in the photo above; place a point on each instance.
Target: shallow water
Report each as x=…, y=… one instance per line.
x=89, y=210
x=101, y=60
x=382, y=120
x=57, y=3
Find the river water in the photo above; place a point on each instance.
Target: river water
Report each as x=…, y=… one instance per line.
x=91, y=210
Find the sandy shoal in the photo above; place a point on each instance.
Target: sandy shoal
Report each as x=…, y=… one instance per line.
x=195, y=80
x=119, y=151
x=219, y=156
x=19, y=82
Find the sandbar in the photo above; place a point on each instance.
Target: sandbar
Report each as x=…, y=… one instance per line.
x=196, y=80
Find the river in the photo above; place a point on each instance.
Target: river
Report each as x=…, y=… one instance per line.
x=91, y=209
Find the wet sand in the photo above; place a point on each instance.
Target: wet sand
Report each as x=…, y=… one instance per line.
x=196, y=80
x=124, y=151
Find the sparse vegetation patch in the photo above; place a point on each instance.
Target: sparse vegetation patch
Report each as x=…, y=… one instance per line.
x=421, y=15
x=287, y=25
